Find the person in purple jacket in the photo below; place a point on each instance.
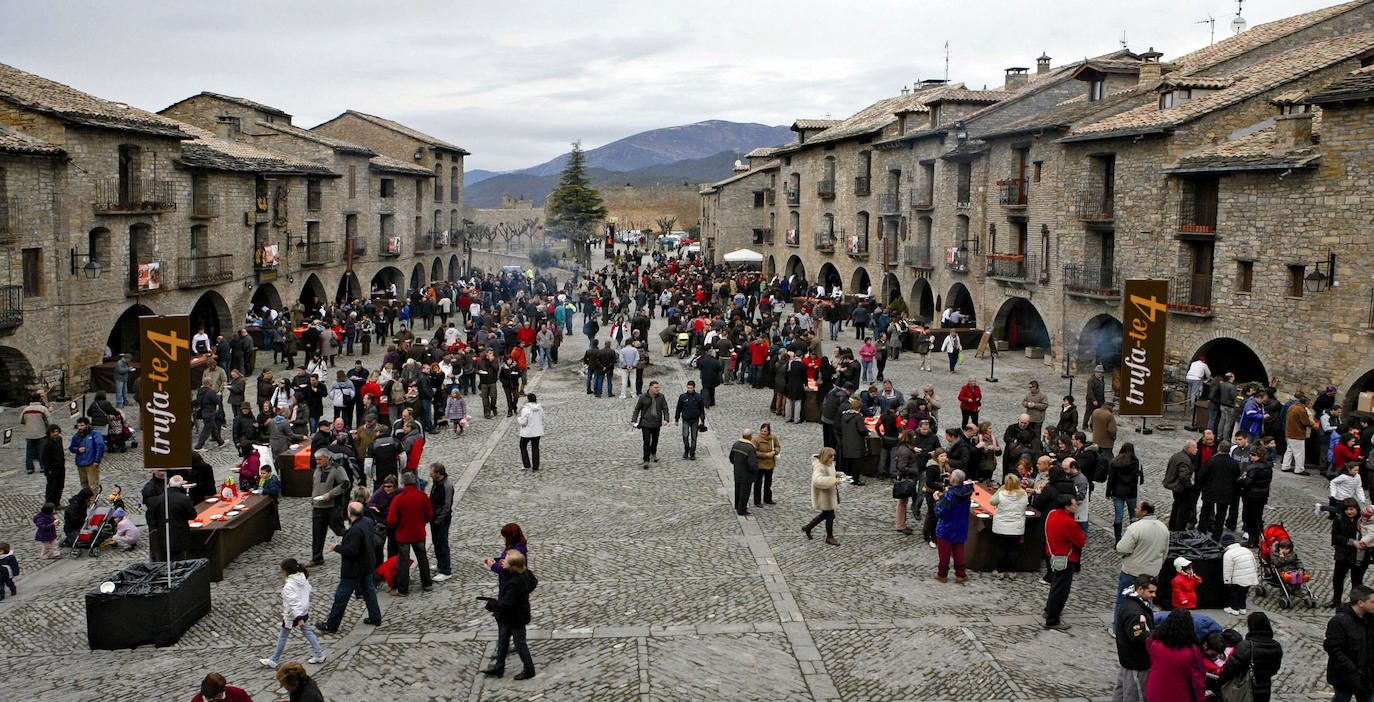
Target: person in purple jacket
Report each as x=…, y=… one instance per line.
x=514, y=538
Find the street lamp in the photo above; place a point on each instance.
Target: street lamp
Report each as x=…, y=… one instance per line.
x=1320, y=280
x=90, y=268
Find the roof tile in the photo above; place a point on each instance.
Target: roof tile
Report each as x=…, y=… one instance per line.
x=40, y=94
x=403, y=129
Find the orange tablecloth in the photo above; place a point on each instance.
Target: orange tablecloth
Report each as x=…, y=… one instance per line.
x=982, y=500
x=300, y=460
x=214, y=509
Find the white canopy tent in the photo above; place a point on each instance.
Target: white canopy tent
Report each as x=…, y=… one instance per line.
x=743, y=256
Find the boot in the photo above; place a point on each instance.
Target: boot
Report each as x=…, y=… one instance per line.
x=807, y=529
x=1116, y=529
x=830, y=534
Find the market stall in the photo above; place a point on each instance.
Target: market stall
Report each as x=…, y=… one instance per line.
x=223, y=529
x=982, y=550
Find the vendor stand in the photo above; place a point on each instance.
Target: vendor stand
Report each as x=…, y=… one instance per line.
x=982, y=551
x=294, y=467
x=223, y=529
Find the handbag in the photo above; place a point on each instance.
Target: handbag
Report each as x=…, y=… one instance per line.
x=1057, y=563
x=702, y=426
x=1241, y=689
x=904, y=489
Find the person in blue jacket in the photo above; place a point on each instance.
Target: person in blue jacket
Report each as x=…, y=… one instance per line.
x=951, y=526
x=89, y=447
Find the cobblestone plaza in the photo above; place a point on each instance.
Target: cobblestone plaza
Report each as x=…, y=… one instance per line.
x=651, y=587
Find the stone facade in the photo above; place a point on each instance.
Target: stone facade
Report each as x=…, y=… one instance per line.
x=199, y=190
x=1030, y=211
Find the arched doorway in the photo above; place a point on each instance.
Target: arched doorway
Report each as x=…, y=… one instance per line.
x=211, y=313
x=922, y=301
x=123, y=336
x=312, y=292
x=960, y=299
x=795, y=273
x=436, y=270
x=892, y=290
x=453, y=272
x=859, y=283
x=1364, y=383
x=17, y=378
x=417, y=276
x=1100, y=343
x=1227, y=355
x=770, y=267
x=386, y=278
x=1020, y=324
x=829, y=278
x=266, y=296
x=349, y=288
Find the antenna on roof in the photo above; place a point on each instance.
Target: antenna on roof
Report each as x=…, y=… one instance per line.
x=1238, y=22
x=946, y=59
x=1212, y=28
x=1123, y=39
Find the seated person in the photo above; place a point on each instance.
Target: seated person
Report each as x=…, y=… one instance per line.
x=1286, y=562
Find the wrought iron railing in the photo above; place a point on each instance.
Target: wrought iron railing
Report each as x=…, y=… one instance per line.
x=793, y=198
x=1195, y=217
x=856, y=245
x=1096, y=206
x=921, y=198
x=919, y=257
x=861, y=186
x=1013, y=192
x=825, y=188
x=11, y=306
x=1093, y=281
x=199, y=271
x=1011, y=266
x=133, y=195
x=318, y=253
x=825, y=241
x=1191, y=294
x=423, y=241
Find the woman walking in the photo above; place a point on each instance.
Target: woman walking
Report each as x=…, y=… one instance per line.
x=825, y=493
x=295, y=613
x=1124, y=477
x=904, y=459
x=1009, y=523
x=1347, y=548
x=767, y=447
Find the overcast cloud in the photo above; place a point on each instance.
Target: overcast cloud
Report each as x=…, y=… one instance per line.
x=515, y=81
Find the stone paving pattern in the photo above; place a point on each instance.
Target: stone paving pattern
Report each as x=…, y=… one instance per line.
x=651, y=588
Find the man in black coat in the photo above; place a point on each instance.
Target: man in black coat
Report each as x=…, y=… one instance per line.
x=711, y=371
x=690, y=412
x=745, y=460
x=649, y=415
x=512, y=609
x=1097, y=394
x=1132, y=629
x=1017, y=440
x=172, y=510
x=357, y=552
x=836, y=401
x=1347, y=646
x=960, y=450
x=1217, y=482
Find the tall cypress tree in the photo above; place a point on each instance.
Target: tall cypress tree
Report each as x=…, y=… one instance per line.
x=574, y=209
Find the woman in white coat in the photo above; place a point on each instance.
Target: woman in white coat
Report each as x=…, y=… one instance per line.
x=531, y=421
x=295, y=613
x=1009, y=523
x=825, y=493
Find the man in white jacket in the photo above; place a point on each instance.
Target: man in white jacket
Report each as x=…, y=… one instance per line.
x=531, y=428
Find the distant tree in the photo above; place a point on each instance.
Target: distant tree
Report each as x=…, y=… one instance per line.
x=574, y=209
x=666, y=224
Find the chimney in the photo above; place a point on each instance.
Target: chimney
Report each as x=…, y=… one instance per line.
x=1150, y=69
x=932, y=83
x=227, y=127
x=1042, y=64
x=1016, y=77
x=1294, y=131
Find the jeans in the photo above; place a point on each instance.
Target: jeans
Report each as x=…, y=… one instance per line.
x=525, y=452
x=121, y=392
x=605, y=378
x=1061, y=581
x=953, y=360
x=427, y=415
x=1226, y=423
x=31, y=455
x=438, y=533
x=345, y=590
x=834, y=330
x=309, y=636
x=403, y=570
x=650, y=436
x=544, y=357
x=945, y=550
x=1130, y=685
x=488, y=399
x=867, y=375
x=690, y=427
x=1296, y=455
x=506, y=634
x=209, y=429
x=1119, y=505
x=1123, y=581
x=793, y=411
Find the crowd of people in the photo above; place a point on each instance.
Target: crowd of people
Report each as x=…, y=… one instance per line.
x=744, y=328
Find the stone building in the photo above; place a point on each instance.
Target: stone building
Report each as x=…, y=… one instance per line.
x=1218, y=170
x=212, y=205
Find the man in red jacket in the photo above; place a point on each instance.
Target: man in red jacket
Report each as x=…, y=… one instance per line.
x=1063, y=537
x=410, y=512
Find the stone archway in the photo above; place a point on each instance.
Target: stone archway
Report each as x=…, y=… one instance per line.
x=829, y=278
x=860, y=283
x=349, y=288
x=17, y=379
x=1020, y=324
x=770, y=267
x=960, y=299
x=892, y=290
x=123, y=336
x=312, y=292
x=922, y=301
x=387, y=277
x=436, y=270
x=211, y=313
x=1227, y=355
x=1100, y=343
x=266, y=296
x=453, y=268
x=417, y=277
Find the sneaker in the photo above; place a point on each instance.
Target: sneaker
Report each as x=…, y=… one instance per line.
x=1228, y=610
x=1317, y=508
x=1300, y=471
x=315, y=659
x=267, y=663
x=441, y=577
x=930, y=544
x=1061, y=626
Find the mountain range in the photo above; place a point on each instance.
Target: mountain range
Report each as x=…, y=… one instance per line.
x=689, y=153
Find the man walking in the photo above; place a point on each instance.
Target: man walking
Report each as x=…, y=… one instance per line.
x=626, y=361
x=410, y=511
x=1347, y=646
x=1178, y=479
x=531, y=421
x=1297, y=426
x=1131, y=626
x=34, y=420
x=711, y=372
x=690, y=412
x=649, y=415
x=745, y=460
x=330, y=487
x=1142, y=548
x=207, y=405
x=1096, y=395
x=356, y=564
x=89, y=447
x=1064, y=541
x=441, y=498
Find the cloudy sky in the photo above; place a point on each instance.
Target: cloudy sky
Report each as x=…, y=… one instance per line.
x=514, y=82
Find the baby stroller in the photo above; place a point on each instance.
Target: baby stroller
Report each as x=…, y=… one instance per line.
x=684, y=344
x=118, y=436
x=99, y=528
x=1270, y=575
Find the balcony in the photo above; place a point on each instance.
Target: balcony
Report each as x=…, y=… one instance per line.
x=861, y=186
x=266, y=257
x=791, y=238
x=200, y=271
x=1096, y=206
x=1013, y=192
x=889, y=204
x=113, y=197
x=318, y=253
x=440, y=238
x=793, y=198
x=921, y=199
x=355, y=248
x=1196, y=217
x=203, y=206
x=11, y=306
x=144, y=277
x=919, y=257
x=424, y=241
x=825, y=241
x=956, y=260
x=825, y=188
x=389, y=246
x=1092, y=282
x=1009, y=266
x=1191, y=295
x=856, y=245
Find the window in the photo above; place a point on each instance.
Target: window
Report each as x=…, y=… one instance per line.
x=352, y=182
x=1097, y=89
x=453, y=220
x=419, y=198
x=200, y=240
x=98, y=244
x=758, y=198
x=388, y=187
x=964, y=193
x=313, y=196
x=1296, y=274
x=130, y=169
x=1245, y=276
x=33, y=272
x=438, y=220
x=200, y=194
x=1037, y=170
x=438, y=182
x=351, y=226
x=1294, y=109
x=453, y=184
x=934, y=116
x=1174, y=98
x=419, y=226
x=961, y=232
x=385, y=225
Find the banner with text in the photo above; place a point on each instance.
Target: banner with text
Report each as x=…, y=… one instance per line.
x=165, y=389
x=1144, y=318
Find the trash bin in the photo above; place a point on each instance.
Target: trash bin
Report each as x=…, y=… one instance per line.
x=1205, y=554
x=143, y=609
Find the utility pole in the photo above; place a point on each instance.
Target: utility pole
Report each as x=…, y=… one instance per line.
x=1211, y=23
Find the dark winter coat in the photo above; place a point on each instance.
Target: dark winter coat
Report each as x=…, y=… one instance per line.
x=853, y=434
x=1123, y=478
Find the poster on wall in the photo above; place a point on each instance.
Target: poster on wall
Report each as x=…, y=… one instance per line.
x=268, y=256
x=792, y=238
x=149, y=276
x=393, y=245
x=1145, y=317
x=443, y=239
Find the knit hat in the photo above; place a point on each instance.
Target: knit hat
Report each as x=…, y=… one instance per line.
x=1258, y=623
x=1182, y=563
x=1228, y=538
